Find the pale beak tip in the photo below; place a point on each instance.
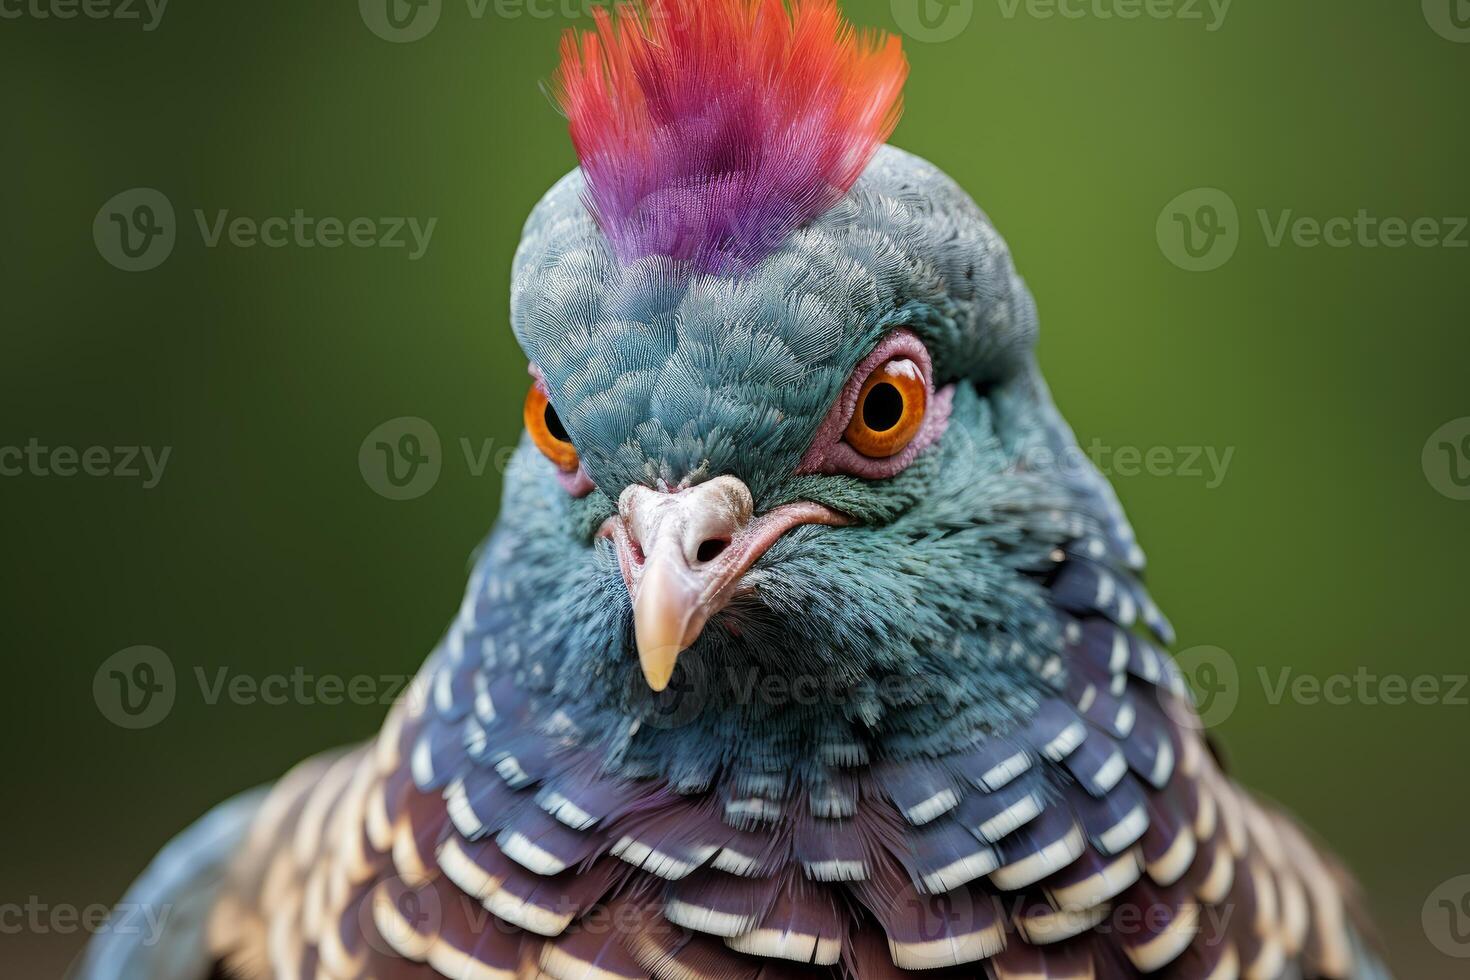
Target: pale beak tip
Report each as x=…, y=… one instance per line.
x=657, y=661
x=666, y=619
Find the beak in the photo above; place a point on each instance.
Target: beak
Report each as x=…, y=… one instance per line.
x=683, y=555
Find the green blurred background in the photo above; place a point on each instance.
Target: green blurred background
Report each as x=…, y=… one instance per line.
x=1325, y=548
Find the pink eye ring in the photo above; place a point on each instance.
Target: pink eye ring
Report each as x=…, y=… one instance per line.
x=888, y=413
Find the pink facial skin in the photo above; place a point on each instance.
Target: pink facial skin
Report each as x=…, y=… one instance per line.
x=577, y=483
x=831, y=454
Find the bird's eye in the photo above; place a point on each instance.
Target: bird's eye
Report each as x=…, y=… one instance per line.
x=547, y=432
x=890, y=409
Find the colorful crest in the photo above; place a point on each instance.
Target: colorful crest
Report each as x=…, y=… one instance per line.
x=709, y=131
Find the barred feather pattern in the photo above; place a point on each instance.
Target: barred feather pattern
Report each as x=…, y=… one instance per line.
x=481, y=836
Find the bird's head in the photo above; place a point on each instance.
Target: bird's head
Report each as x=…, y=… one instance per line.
x=784, y=418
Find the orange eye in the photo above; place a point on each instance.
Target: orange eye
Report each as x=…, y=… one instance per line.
x=890, y=409
x=547, y=432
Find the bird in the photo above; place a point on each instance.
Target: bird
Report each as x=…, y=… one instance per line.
x=807, y=643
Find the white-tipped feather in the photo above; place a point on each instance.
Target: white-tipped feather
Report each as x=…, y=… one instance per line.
x=1032, y=868
x=709, y=921
x=461, y=814
x=949, y=951
x=1003, y=772
x=1216, y=886
x=1125, y=832
x=734, y=862
x=1055, y=926
x=530, y=855
x=1016, y=815
x=1165, y=948
x=450, y=962
x=836, y=870
x=532, y=918
x=774, y=944
x=1110, y=772
x=395, y=929
x=466, y=874
x=422, y=763
x=961, y=872
x=1163, y=762
x=1171, y=865
x=1101, y=887
x=940, y=803
x=656, y=862
x=1066, y=742
x=565, y=810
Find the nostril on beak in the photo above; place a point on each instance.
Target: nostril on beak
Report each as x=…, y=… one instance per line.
x=711, y=549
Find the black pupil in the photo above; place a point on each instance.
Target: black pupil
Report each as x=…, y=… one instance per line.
x=883, y=407
x=554, y=426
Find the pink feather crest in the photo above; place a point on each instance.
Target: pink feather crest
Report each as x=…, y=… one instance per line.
x=710, y=130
